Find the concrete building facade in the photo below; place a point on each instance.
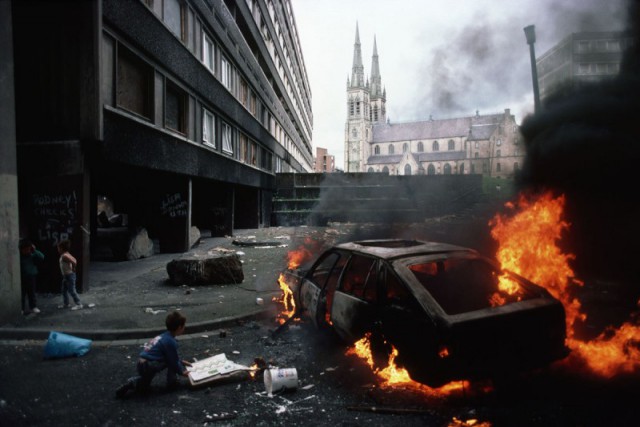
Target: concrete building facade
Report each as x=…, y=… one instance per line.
x=490, y=145
x=179, y=113
x=580, y=59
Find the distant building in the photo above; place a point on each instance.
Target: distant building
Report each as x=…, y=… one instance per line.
x=482, y=144
x=580, y=59
x=324, y=162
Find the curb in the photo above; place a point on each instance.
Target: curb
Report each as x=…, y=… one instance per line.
x=25, y=334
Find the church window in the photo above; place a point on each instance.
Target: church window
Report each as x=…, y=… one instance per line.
x=385, y=170
x=447, y=169
x=375, y=113
x=370, y=169
x=391, y=149
x=431, y=170
x=405, y=147
x=452, y=145
x=354, y=132
x=498, y=153
x=358, y=107
x=351, y=107
x=420, y=147
x=435, y=146
x=498, y=167
x=407, y=169
x=376, y=149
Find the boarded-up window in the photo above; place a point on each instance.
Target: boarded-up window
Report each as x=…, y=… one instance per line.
x=134, y=90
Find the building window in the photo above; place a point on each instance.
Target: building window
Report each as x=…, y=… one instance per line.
x=499, y=142
x=473, y=168
x=420, y=147
x=354, y=132
x=391, y=149
x=226, y=73
x=477, y=145
x=405, y=147
x=376, y=149
x=134, y=84
x=173, y=16
x=516, y=167
x=407, y=169
x=484, y=167
x=227, y=138
x=452, y=145
x=208, y=53
x=447, y=169
x=370, y=169
x=375, y=113
x=431, y=170
x=498, y=152
x=252, y=103
x=175, y=113
x=351, y=107
x=208, y=128
x=435, y=146
x=498, y=168
x=461, y=168
x=385, y=170
x=476, y=155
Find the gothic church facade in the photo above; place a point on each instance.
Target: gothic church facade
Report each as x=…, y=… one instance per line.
x=490, y=145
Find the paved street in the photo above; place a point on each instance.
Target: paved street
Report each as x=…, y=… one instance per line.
x=80, y=391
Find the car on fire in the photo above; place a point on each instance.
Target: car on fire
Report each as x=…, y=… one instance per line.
x=451, y=313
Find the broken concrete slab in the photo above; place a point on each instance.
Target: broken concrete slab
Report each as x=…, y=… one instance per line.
x=212, y=269
x=140, y=245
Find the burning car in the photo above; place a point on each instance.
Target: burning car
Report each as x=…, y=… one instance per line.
x=450, y=312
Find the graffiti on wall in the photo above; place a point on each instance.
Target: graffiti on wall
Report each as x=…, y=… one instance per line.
x=174, y=206
x=55, y=214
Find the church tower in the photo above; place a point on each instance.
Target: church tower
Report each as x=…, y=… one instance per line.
x=357, y=128
x=366, y=105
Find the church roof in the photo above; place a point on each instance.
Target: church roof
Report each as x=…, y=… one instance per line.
x=480, y=127
x=440, y=156
x=381, y=160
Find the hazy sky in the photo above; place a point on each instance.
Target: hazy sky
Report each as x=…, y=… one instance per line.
x=446, y=58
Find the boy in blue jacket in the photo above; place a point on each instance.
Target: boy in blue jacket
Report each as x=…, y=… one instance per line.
x=159, y=354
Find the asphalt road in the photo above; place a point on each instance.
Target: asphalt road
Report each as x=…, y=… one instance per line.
x=80, y=391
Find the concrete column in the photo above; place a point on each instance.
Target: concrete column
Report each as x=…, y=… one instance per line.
x=9, y=227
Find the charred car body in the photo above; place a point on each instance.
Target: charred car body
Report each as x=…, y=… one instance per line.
x=441, y=306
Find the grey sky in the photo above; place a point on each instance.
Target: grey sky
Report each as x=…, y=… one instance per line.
x=445, y=58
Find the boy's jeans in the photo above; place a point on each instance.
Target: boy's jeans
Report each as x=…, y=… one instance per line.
x=69, y=288
x=147, y=369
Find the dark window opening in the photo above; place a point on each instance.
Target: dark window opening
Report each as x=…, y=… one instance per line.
x=175, y=114
x=134, y=84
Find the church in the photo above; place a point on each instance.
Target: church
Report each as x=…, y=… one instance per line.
x=490, y=144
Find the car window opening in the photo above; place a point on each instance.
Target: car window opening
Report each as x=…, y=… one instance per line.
x=464, y=285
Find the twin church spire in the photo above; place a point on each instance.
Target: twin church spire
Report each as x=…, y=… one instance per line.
x=357, y=71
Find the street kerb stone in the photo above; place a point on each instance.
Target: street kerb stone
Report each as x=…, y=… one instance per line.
x=210, y=269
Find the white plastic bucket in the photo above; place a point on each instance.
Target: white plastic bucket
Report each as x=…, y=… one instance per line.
x=280, y=379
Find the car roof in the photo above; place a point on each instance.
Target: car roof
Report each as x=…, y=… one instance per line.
x=398, y=248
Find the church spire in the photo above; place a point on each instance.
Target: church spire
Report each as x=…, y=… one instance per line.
x=357, y=73
x=376, y=80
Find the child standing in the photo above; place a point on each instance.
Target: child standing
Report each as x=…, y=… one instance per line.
x=68, y=265
x=30, y=257
x=158, y=354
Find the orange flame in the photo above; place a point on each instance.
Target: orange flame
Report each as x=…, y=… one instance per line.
x=393, y=375
x=301, y=255
x=471, y=422
x=527, y=246
x=288, y=302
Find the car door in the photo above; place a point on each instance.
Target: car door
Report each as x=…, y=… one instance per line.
x=316, y=290
x=405, y=325
x=354, y=301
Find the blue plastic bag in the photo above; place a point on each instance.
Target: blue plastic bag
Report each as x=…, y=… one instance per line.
x=64, y=345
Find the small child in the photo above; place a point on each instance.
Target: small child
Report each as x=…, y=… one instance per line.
x=68, y=265
x=158, y=354
x=30, y=257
